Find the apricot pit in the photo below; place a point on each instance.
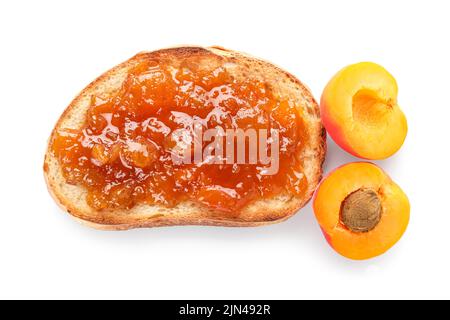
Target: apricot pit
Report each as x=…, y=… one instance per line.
x=361, y=210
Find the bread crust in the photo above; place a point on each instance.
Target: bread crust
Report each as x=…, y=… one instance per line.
x=263, y=212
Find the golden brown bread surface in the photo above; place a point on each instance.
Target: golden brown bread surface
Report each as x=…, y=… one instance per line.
x=72, y=198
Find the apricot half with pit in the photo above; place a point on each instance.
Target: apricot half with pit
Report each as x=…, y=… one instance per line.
x=359, y=109
x=361, y=211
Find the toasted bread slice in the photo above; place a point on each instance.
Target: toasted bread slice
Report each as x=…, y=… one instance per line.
x=72, y=198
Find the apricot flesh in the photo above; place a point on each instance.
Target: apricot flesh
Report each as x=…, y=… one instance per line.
x=361, y=211
x=360, y=111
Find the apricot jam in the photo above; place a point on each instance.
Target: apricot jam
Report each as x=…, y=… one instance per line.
x=122, y=154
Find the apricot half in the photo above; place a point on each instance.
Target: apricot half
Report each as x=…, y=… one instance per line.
x=360, y=112
x=361, y=211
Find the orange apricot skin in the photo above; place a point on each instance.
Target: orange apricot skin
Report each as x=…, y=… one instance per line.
x=345, y=180
x=335, y=131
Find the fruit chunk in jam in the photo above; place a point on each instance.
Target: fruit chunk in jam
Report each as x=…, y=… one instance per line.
x=121, y=155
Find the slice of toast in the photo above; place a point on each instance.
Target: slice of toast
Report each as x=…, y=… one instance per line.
x=72, y=198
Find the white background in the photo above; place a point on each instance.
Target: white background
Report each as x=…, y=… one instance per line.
x=49, y=50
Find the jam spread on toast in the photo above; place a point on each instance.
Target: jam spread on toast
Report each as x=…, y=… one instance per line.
x=124, y=152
